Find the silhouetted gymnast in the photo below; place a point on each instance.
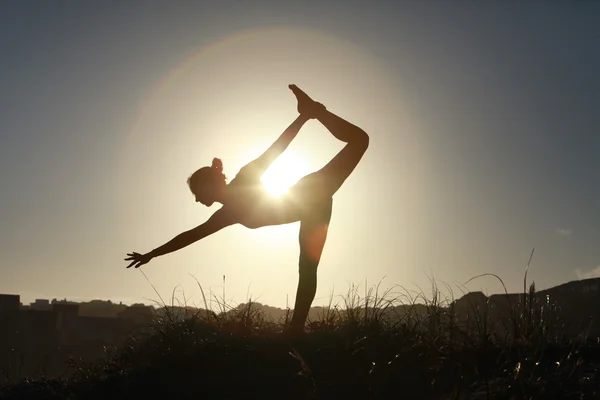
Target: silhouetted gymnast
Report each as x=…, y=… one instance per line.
x=245, y=200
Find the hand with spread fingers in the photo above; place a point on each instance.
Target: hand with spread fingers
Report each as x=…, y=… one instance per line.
x=137, y=259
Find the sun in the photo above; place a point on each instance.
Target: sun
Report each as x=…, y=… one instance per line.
x=283, y=173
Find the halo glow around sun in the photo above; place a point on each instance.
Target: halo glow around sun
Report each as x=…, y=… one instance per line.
x=283, y=174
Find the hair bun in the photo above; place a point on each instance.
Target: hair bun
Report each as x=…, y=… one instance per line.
x=217, y=164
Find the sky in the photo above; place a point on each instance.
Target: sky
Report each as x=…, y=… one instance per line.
x=483, y=122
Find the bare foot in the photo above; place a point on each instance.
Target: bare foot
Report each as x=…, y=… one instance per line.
x=306, y=105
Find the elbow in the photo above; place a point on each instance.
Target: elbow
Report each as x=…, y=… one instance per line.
x=185, y=239
x=193, y=236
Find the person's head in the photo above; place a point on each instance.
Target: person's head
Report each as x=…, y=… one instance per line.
x=208, y=183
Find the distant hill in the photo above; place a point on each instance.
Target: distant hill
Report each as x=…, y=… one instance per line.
x=575, y=303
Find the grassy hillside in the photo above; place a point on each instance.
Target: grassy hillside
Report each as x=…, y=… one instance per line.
x=362, y=350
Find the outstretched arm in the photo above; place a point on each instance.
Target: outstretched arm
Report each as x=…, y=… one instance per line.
x=219, y=220
x=263, y=162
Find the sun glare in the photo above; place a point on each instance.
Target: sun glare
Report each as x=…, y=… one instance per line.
x=283, y=173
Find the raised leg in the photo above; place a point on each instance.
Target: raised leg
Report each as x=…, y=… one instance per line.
x=331, y=177
x=313, y=233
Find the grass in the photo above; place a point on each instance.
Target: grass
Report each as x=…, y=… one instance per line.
x=389, y=344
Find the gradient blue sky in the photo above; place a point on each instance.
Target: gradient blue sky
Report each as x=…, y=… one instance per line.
x=484, y=120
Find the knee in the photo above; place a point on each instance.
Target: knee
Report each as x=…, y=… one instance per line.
x=307, y=268
x=362, y=139
x=365, y=142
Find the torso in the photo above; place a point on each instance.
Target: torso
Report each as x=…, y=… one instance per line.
x=253, y=206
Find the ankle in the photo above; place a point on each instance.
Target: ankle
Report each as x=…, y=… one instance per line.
x=317, y=111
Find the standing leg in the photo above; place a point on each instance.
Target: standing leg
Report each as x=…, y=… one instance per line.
x=313, y=233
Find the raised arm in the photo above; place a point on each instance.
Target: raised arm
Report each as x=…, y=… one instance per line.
x=263, y=162
x=219, y=220
x=307, y=110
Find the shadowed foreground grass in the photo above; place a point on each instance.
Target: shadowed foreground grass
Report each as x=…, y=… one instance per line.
x=366, y=349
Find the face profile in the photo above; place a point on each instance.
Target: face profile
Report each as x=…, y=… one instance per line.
x=208, y=184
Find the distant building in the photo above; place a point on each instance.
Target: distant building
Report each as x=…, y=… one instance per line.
x=140, y=314
x=66, y=320
x=10, y=302
x=71, y=310
x=64, y=301
x=41, y=305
